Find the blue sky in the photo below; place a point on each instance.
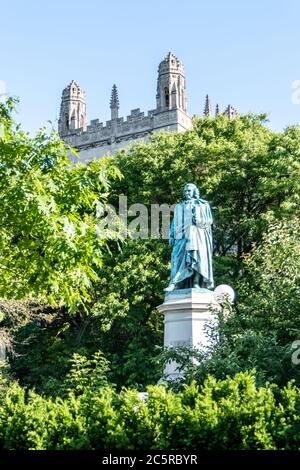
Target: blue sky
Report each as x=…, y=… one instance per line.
x=241, y=52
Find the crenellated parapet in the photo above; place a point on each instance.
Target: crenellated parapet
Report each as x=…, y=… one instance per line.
x=135, y=120
x=113, y=134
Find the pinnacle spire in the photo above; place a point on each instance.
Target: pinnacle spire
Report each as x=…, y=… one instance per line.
x=114, y=100
x=217, y=112
x=230, y=112
x=114, y=103
x=207, y=108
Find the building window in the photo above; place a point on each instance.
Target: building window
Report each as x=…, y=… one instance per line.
x=81, y=121
x=167, y=97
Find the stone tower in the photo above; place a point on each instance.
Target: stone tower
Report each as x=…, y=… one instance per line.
x=72, y=110
x=171, y=89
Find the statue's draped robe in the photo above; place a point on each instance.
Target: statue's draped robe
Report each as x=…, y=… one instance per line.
x=192, y=251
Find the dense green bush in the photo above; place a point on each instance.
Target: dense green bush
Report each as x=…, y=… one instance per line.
x=227, y=414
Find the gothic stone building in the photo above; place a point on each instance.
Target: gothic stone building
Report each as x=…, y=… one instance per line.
x=96, y=139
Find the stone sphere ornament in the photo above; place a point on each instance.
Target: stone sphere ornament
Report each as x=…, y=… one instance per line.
x=224, y=292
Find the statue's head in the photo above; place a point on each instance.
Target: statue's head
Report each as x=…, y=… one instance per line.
x=190, y=191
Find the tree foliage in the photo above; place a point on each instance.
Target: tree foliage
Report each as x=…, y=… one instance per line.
x=50, y=245
x=245, y=170
x=260, y=329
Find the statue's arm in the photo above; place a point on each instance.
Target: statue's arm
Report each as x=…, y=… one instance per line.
x=203, y=222
x=209, y=216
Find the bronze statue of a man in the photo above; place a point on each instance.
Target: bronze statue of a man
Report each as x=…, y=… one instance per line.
x=191, y=239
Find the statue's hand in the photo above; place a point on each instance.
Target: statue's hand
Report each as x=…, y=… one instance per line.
x=196, y=221
x=199, y=223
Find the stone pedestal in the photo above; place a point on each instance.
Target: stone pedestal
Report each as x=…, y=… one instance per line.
x=186, y=314
x=2, y=350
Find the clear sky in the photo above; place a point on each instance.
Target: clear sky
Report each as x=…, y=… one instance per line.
x=243, y=52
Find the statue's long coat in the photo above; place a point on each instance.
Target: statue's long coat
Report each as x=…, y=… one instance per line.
x=191, y=231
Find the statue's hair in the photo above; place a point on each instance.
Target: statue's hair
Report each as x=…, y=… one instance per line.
x=196, y=190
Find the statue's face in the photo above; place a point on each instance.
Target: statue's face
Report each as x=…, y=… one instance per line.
x=188, y=192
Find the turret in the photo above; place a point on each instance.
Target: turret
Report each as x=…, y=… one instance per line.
x=171, y=88
x=72, y=110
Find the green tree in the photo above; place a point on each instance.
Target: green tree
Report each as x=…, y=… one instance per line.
x=50, y=243
x=243, y=168
x=250, y=175
x=270, y=289
x=259, y=331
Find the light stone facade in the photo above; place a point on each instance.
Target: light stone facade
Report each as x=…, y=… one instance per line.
x=96, y=139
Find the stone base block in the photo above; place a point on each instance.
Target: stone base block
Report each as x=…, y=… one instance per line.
x=186, y=315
